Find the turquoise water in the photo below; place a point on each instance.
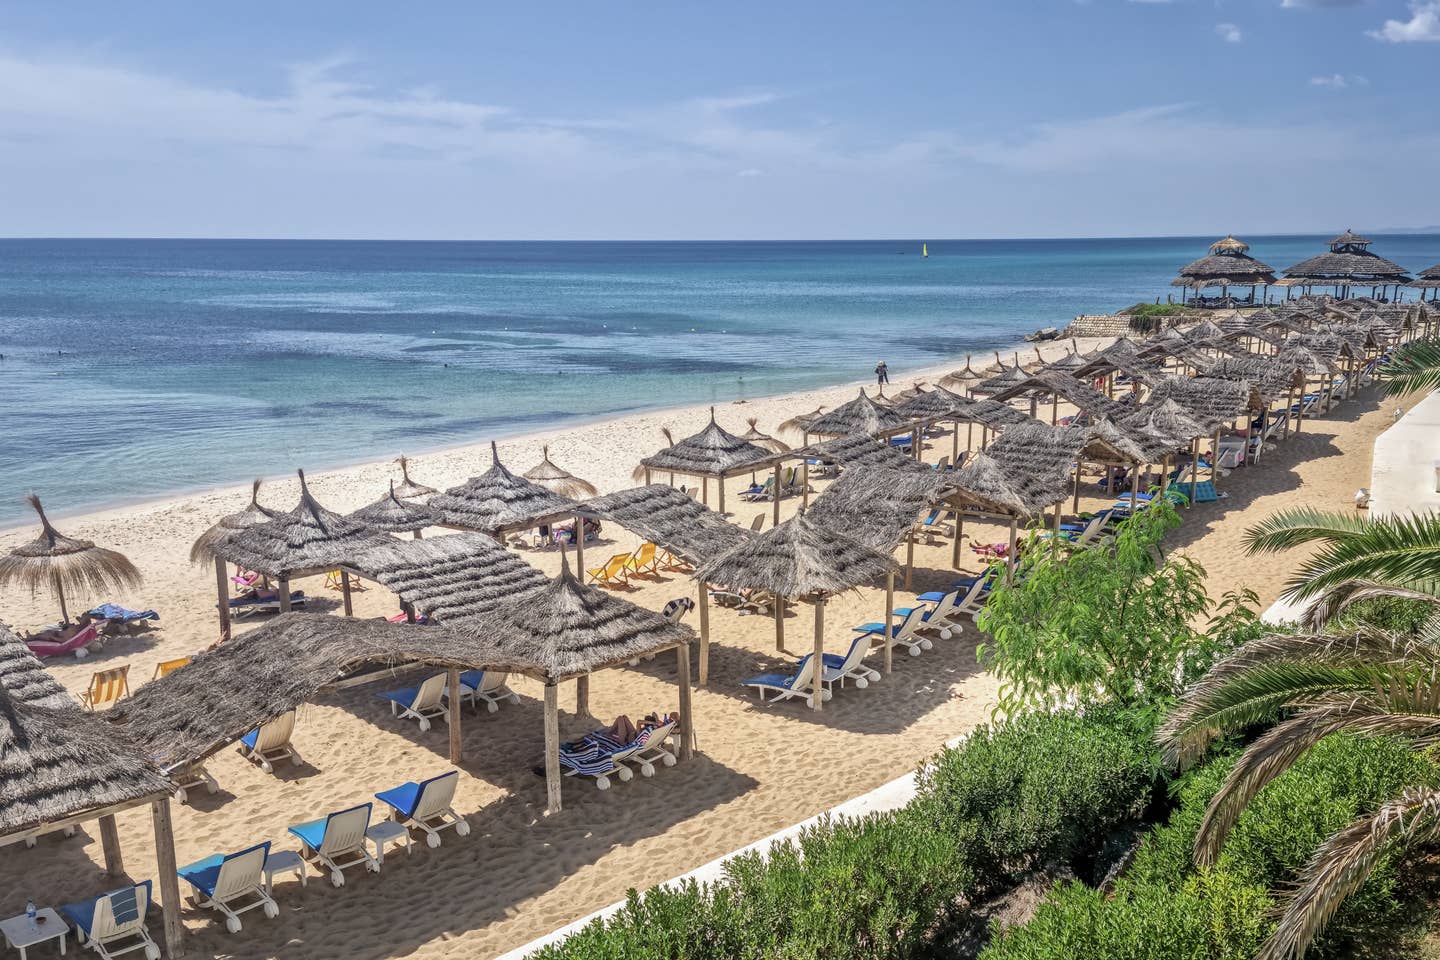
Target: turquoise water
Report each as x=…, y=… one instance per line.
x=137, y=368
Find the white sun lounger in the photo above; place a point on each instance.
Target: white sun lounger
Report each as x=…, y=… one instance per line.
x=224, y=881
x=653, y=750
x=785, y=686
x=427, y=806
x=338, y=836
x=902, y=635
x=976, y=593
x=838, y=669
x=420, y=703
x=487, y=687
x=270, y=742
x=938, y=618
x=113, y=924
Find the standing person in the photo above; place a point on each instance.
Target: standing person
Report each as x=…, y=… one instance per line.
x=882, y=374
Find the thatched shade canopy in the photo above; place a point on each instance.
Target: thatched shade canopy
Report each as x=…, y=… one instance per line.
x=25, y=678
x=497, y=501
x=965, y=378
x=390, y=514
x=753, y=435
x=1060, y=384
x=669, y=519
x=1264, y=374
x=1072, y=361
x=1349, y=262
x=799, y=422
x=254, y=514
x=1228, y=264
x=1006, y=378
x=1122, y=356
x=861, y=415
x=559, y=480
x=1204, y=330
x=1036, y=459
x=1110, y=443
x=936, y=404
x=308, y=539
x=452, y=579
x=857, y=450
x=408, y=489
x=1167, y=418
x=800, y=558
x=1427, y=279
x=713, y=452
x=875, y=505
x=985, y=484
x=1209, y=401
x=994, y=414
x=63, y=564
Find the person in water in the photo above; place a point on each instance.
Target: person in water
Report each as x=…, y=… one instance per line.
x=882, y=374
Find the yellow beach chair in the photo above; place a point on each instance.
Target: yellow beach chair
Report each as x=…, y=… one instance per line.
x=107, y=687
x=333, y=582
x=169, y=667
x=615, y=573
x=644, y=560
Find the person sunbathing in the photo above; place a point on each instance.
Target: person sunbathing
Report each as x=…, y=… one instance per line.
x=60, y=634
x=262, y=594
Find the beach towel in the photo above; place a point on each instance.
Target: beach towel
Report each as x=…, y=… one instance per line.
x=113, y=611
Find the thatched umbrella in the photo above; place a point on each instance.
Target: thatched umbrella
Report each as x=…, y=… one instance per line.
x=498, y=502
x=800, y=559
x=409, y=489
x=1007, y=377
x=203, y=549
x=861, y=415
x=390, y=514
x=713, y=452
x=753, y=435
x=1073, y=360
x=25, y=678
x=60, y=563
x=964, y=378
x=799, y=422
x=559, y=480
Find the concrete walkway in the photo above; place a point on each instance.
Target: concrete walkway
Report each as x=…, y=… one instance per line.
x=1403, y=476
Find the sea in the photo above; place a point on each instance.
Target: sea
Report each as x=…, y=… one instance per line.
x=134, y=369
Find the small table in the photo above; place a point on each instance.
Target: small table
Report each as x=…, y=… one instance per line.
x=387, y=832
x=21, y=932
x=286, y=861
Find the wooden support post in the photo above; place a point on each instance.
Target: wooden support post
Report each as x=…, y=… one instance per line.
x=409, y=609
x=888, y=619
x=805, y=482
x=817, y=685
x=909, y=556
x=222, y=596
x=284, y=594
x=1194, y=467
x=1076, y=507
x=1055, y=410
x=168, y=880
x=1014, y=541
x=955, y=543
x=582, y=695
x=779, y=624
x=720, y=483
x=687, y=713
x=552, y=748
x=647, y=476
x=452, y=717
x=579, y=548
x=969, y=440
x=704, y=635
x=110, y=844
x=705, y=490
x=1215, y=460
x=775, y=497
x=345, y=594
x=955, y=444
x=1055, y=537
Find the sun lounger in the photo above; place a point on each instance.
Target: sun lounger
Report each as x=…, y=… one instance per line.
x=269, y=743
x=107, y=687
x=224, y=882
x=118, y=618
x=938, y=614
x=934, y=523
x=851, y=666
x=757, y=523
x=643, y=560
x=166, y=667
x=785, y=686
x=487, y=687
x=426, y=806
x=615, y=572
x=334, y=580
x=113, y=924
x=338, y=842
x=900, y=635
x=79, y=644
x=650, y=748
x=419, y=703
x=245, y=606
x=187, y=778
x=756, y=494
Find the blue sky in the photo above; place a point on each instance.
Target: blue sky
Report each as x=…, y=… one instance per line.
x=739, y=120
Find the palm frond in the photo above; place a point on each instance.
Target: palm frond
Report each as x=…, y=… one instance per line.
x=1343, y=862
x=1341, y=597
x=1300, y=525
x=1414, y=366
x=1393, y=549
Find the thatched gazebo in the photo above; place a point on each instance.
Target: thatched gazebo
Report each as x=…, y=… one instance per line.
x=1036, y=461
x=409, y=489
x=1213, y=403
x=878, y=506
x=1122, y=356
x=713, y=452
x=498, y=502
x=753, y=435
x=859, y=416
x=55, y=562
x=1349, y=263
x=987, y=490
x=390, y=514
x=1228, y=264
x=1427, y=279
x=1059, y=385
x=801, y=560
x=60, y=767
x=452, y=578
x=204, y=549
x=964, y=379
x=559, y=480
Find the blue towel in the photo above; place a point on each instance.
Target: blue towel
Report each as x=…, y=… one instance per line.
x=113, y=611
x=124, y=906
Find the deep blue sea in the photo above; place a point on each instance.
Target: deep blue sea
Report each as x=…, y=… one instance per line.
x=137, y=368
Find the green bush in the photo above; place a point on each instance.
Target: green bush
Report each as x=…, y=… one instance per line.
x=1040, y=788
x=1165, y=907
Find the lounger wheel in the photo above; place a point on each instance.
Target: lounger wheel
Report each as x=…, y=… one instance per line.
x=373, y=866
x=424, y=725
x=926, y=644
x=668, y=760
x=29, y=843
x=602, y=783
x=945, y=634
x=294, y=758
x=152, y=952
x=827, y=695
x=915, y=651
x=861, y=682
x=647, y=769
x=491, y=706
x=267, y=766
x=462, y=828
x=626, y=774
x=337, y=879
x=180, y=795
x=81, y=653
x=271, y=909
x=211, y=784
x=515, y=698
x=432, y=840
x=232, y=924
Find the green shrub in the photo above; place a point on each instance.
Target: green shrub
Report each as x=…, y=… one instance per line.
x=1040, y=788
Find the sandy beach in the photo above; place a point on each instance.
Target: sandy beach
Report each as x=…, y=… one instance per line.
x=520, y=874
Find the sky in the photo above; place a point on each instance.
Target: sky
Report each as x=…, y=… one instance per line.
x=687, y=120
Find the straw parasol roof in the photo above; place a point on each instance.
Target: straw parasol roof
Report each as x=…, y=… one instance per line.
x=498, y=501
x=797, y=423
x=203, y=549
x=57, y=763
x=1073, y=360
x=559, y=480
x=454, y=578
x=983, y=482
x=1204, y=330
x=964, y=378
x=875, y=505
x=1349, y=261
x=1427, y=279
x=308, y=539
x=858, y=450
x=861, y=415
x=1084, y=397
x=569, y=630
x=713, y=452
x=1211, y=402
x=1268, y=377
x=994, y=414
x=25, y=678
x=409, y=489
x=59, y=563
x=753, y=435
x=1228, y=264
x=669, y=519
x=1167, y=419
x=1109, y=442
x=390, y=514
x=799, y=558
x=1124, y=356
x=1036, y=458
x=936, y=404
x=1008, y=377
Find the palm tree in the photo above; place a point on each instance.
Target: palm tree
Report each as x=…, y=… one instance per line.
x=1360, y=558
x=1414, y=366
x=1367, y=683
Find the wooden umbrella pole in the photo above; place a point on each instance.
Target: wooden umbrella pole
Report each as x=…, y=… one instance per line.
x=60, y=592
x=687, y=714
x=775, y=496
x=345, y=594
x=284, y=594
x=579, y=548
x=720, y=484
x=704, y=635
x=1014, y=540
x=222, y=596
x=552, y=748
x=582, y=695
x=779, y=625
x=452, y=717
x=817, y=665
x=888, y=619
x=169, y=880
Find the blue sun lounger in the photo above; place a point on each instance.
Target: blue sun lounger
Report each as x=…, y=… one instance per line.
x=223, y=879
x=426, y=806
x=114, y=923
x=785, y=686
x=338, y=835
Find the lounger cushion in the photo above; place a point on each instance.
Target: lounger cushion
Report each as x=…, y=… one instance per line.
x=777, y=680
x=403, y=798
x=472, y=679
x=311, y=834
x=203, y=874
x=934, y=596
x=402, y=697
x=251, y=738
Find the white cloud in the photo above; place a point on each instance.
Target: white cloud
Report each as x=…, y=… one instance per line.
x=1339, y=81
x=1422, y=27
x=751, y=172
x=1322, y=4
x=1229, y=32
